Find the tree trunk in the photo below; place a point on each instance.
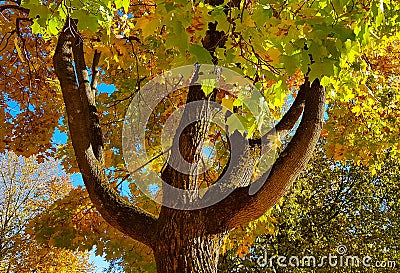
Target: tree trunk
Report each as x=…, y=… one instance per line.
x=189, y=255
x=183, y=240
x=182, y=246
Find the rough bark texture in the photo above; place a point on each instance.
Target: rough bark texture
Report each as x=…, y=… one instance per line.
x=86, y=137
x=183, y=240
x=183, y=244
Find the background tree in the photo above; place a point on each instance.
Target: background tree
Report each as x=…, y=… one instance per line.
x=332, y=204
x=27, y=189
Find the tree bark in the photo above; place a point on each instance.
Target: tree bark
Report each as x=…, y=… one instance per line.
x=199, y=254
x=184, y=246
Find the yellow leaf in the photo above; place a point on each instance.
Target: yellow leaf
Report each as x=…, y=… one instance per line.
x=108, y=158
x=227, y=104
x=339, y=152
x=148, y=24
x=242, y=250
x=356, y=109
x=274, y=54
x=249, y=22
x=275, y=140
x=18, y=50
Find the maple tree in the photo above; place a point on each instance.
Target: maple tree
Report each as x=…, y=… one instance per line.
x=27, y=189
x=280, y=46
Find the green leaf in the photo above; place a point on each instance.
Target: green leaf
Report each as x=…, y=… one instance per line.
x=53, y=26
x=221, y=19
x=291, y=63
x=200, y=54
x=122, y=4
x=344, y=33
x=325, y=81
x=148, y=24
x=321, y=69
x=339, y=5
x=260, y=14
x=36, y=27
x=253, y=102
x=177, y=37
x=379, y=19
x=278, y=89
x=237, y=102
x=37, y=10
x=88, y=22
x=235, y=122
x=208, y=85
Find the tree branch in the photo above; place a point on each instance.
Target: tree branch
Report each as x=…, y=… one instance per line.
x=242, y=205
x=288, y=121
x=84, y=128
x=95, y=70
x=15, y=7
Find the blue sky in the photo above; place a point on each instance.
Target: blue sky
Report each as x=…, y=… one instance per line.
x=99, y=262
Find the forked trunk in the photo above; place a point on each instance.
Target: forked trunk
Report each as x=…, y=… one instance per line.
x=189, y=238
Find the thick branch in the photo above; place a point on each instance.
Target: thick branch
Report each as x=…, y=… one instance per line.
x=288, y=121
x=84, y=127
x=187, y=146
x=88, y=97
x=241, y=207
x=15, y=7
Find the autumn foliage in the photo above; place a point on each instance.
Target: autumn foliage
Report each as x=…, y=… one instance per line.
x=71, y=69
x=28, y=189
